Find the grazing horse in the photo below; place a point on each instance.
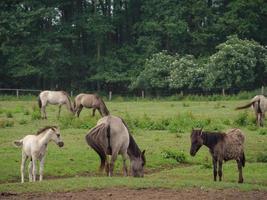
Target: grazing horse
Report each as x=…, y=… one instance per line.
x=34, y=147
x=259, y=103
x=90, y=101
x=222, y=147
x=111, y=136
x=55, y=98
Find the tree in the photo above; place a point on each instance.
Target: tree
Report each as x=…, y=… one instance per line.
x=236, y=63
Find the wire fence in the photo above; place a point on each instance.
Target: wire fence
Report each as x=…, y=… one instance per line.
x=137, y=93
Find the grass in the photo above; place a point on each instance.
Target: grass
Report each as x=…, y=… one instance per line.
x=161, y=127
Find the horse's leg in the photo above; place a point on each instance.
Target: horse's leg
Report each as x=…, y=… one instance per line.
x=107, y=167
x=43, y=109
x=79, y=110
x=59, y=110
x=41, y=171
x=239, y=166
x=124, y=158
x=112, y=161
x=220, y=170
x=93, y=113
x=214, y=161
x=22, y=167
x=34, y=168
x=30, y=171
x=262, y=116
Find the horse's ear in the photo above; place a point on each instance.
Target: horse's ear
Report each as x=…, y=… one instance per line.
x=143, y=152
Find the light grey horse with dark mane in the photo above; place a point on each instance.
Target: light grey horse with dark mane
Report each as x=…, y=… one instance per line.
x=55, y=98
x=90, y=101
x=259, y=103
x=111, y=136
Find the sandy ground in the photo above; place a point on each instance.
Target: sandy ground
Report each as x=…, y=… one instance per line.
x=142, y=194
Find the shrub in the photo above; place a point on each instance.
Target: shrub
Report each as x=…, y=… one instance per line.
x=262, y=157
x=242, y=119
x=26, y=112
x=6, y=123
x=36, y=114
x=9, y=114
x=263, y=132
x=178, y=156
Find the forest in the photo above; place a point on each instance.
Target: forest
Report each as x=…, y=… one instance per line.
x=132, y=45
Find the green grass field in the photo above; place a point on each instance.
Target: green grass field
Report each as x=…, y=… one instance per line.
x=160, y=127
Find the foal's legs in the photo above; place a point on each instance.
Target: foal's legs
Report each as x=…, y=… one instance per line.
x=22, y=167
x=41, y=171
x=239, y=165
x=214, y=161
x=34, y=168
x=30, y=171
x=220, y=170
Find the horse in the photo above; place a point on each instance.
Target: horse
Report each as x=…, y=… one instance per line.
x=90, y=101
x=111, y=136
x=222, y=147
x=259, y=103
x=35, y=147
x=55, y=98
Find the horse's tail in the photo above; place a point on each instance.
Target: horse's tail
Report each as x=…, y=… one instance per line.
x=93, y=139
x=74, y=105
x=18, y=143
x=243, y=159
x=109, y=152
x=39, y=102
x=253, y=101
x=103, y=108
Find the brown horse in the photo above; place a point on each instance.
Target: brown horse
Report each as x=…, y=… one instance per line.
x=90, y=101
x=222, y=147
x=111, y=136
x=259, y=104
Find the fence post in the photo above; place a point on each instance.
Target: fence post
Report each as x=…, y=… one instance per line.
x=17, y=93
x=110, y=95
x=182, y=93
x=262, y=90
x=143, y=94
x=71, y=93
x=223, y=92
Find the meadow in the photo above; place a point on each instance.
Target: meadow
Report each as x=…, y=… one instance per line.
x=161, y=127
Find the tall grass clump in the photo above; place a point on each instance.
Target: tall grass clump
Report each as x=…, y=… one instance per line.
x=6, y=123
x=242, y=119
x=70, y=121
x=9, y=114
x=262, y=157
x=36, y=113
x=179, y=156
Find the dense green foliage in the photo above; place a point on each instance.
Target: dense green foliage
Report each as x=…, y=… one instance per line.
x=104, y=44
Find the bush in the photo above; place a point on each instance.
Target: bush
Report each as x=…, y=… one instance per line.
x=263, y=132
x=242, y=119
x=36, y=113
x=9, y=114
x=178, y=156
x=6, y=123
x=262, y=157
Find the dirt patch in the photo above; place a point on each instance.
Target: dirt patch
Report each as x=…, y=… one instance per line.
x=142, y=194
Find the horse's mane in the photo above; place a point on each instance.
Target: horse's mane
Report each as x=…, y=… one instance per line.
x=68, y=96
x=133, y=148
x=213, y=137
x=103, y=106
x=44, y=129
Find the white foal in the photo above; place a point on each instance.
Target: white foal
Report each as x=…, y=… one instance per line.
x=34, y=147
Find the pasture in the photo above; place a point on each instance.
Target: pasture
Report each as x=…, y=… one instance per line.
x=162, y=128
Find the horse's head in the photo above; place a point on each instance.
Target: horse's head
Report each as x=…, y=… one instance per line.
x=137, y=165
x=196, y=141
x=56, y=136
